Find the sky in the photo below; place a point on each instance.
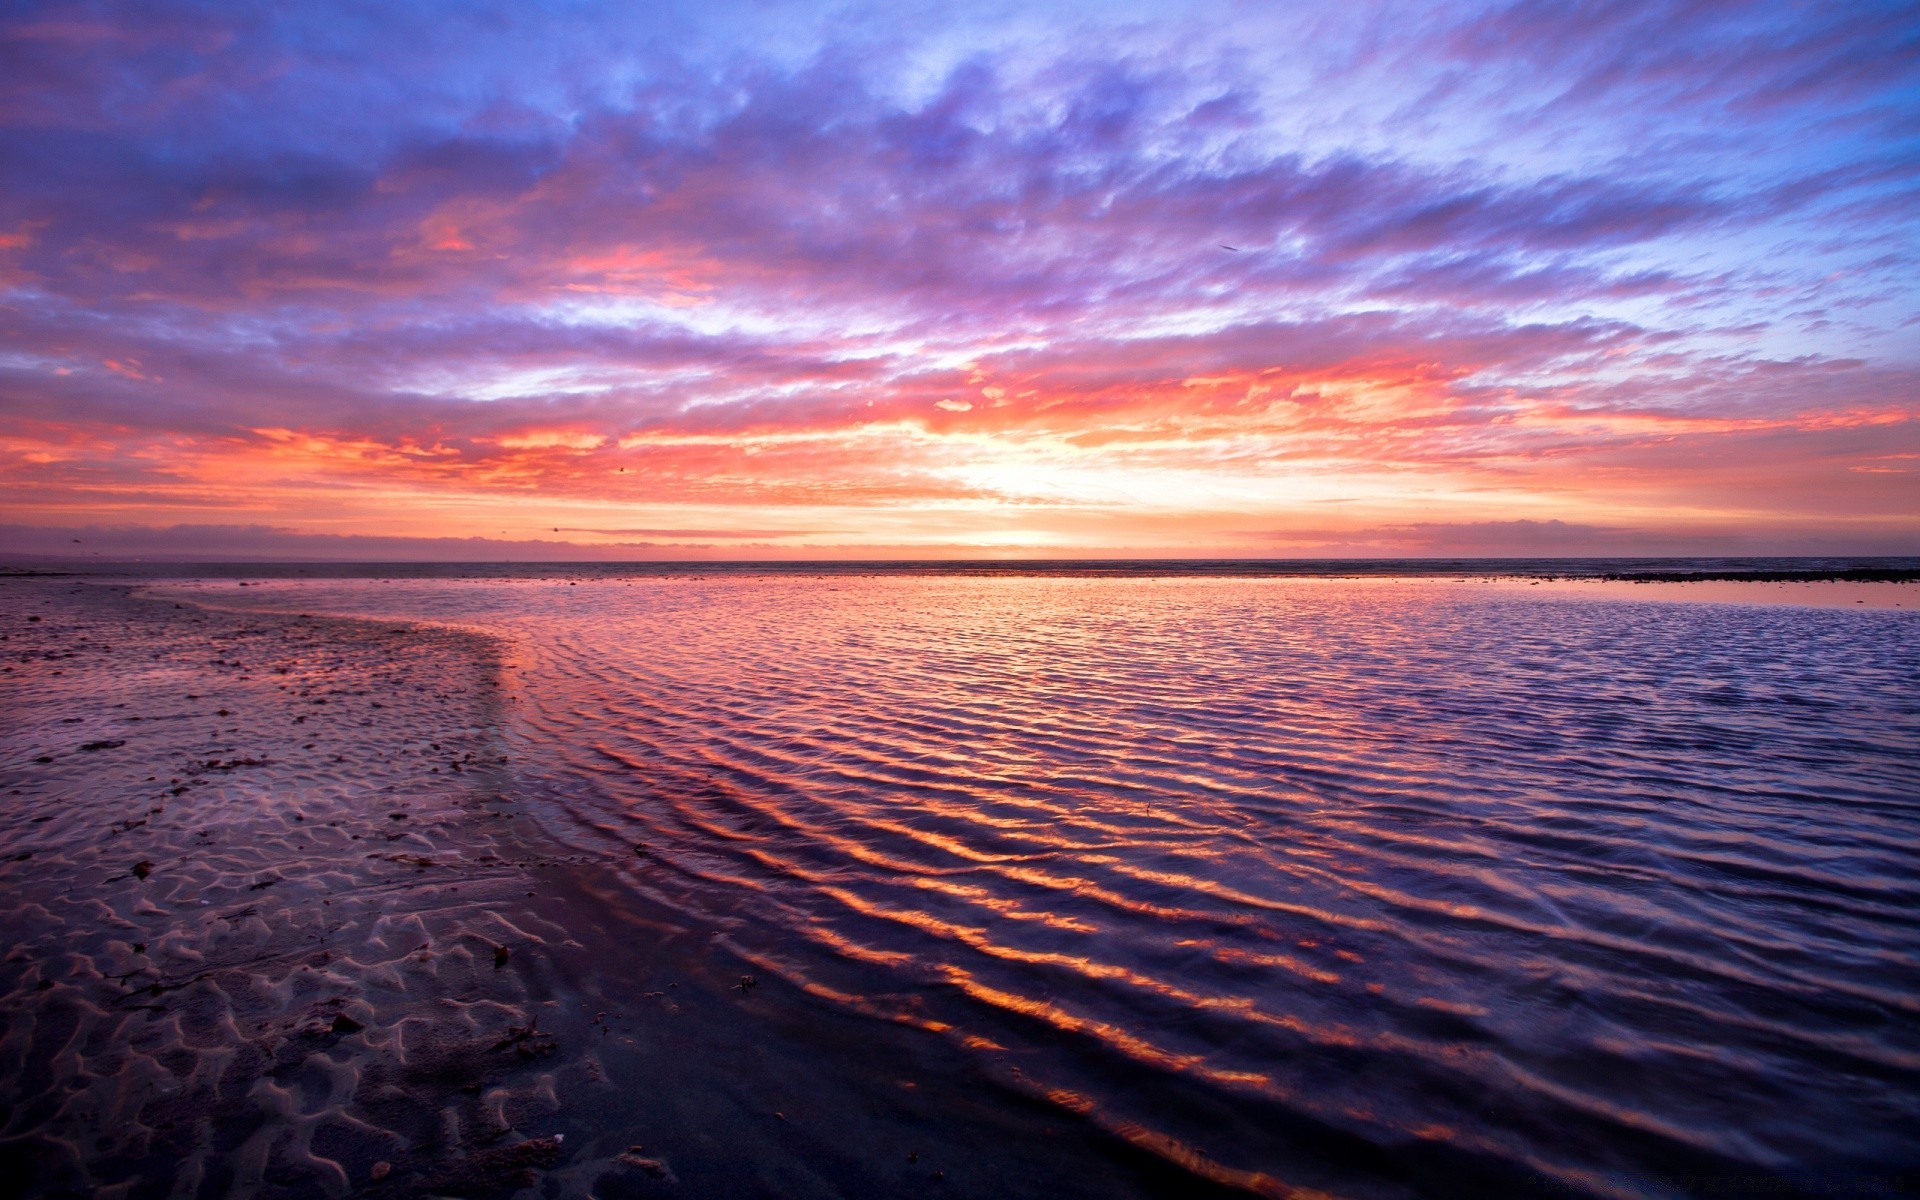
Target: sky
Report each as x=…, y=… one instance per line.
x=745, y=280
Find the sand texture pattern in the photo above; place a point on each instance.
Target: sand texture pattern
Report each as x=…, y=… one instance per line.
x=268, y=924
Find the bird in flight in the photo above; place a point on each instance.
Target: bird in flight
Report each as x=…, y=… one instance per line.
x=1224, y=246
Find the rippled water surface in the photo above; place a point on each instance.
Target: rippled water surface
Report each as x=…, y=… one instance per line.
x=1376, y=887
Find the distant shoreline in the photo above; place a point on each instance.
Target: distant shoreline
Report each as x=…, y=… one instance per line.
x=1861, y=569
x=1844, y=575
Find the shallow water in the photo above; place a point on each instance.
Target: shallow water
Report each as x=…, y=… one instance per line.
x=1384, y=887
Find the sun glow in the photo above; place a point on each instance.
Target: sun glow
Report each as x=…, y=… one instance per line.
x=1047, y=299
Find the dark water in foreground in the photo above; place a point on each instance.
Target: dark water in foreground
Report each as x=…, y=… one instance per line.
x=1394, y=887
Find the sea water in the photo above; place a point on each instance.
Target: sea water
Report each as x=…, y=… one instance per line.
x=1378, y=886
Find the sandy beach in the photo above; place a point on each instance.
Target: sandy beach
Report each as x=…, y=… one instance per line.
x=272, y=924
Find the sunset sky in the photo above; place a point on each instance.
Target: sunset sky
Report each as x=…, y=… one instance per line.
x=752, y=280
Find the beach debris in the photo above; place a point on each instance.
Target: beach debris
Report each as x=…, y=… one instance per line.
x=640, y=848
x=747, y=983
x=380, y=1171
x=633, y=1157
x=499, y=957
x=214, y=764
x=142, y=869
x=499, y=1171
x=526, y=1040
x=343, y=1024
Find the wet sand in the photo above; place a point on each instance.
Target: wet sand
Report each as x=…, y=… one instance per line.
x=267, y=909
x=1793, y=593
x=276, y=923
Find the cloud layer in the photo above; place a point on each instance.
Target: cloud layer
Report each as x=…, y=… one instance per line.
x=1092, y=280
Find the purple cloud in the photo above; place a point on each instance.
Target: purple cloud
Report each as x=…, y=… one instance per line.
x=569, y=246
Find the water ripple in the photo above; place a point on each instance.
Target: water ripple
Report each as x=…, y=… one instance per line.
x=1282, y=879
